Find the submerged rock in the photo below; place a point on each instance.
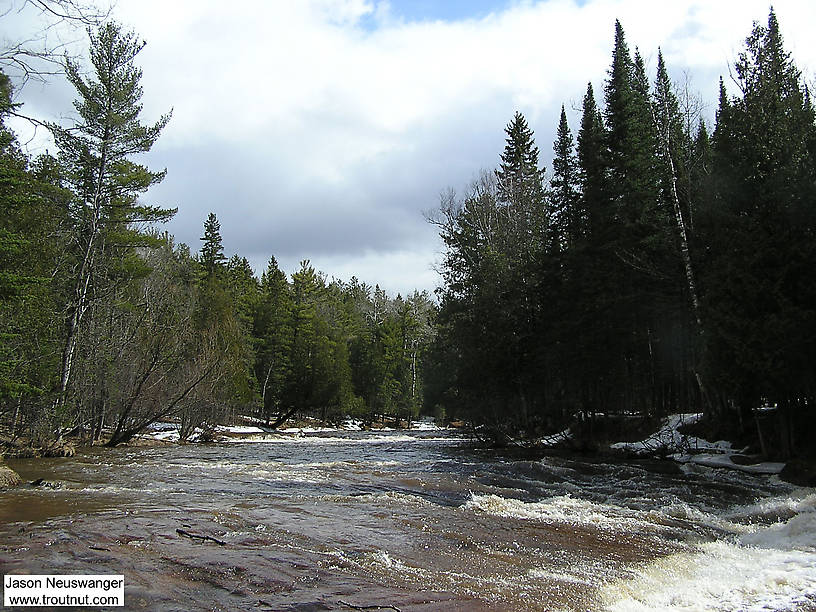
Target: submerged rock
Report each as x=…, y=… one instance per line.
x=8, y=477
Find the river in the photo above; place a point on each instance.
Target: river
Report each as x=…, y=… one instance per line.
x=410, y=521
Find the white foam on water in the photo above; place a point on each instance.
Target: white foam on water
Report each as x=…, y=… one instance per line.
x=389, y=499
x=563, y=509
x=798, y=501
x=798, y=533
x=542, y=574
x=769, y=568
x=289, y=476
x=684, y=511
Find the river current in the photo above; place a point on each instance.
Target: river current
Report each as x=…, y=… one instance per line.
x=410, y=521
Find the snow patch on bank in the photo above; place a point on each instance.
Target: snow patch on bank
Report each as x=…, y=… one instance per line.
x=669, y=439
x=685, y=449
x=169, y=432
x=725, y=461
x=238, y=429
x=555, y=439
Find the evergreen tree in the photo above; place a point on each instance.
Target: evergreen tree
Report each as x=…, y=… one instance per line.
x=272, y=329
x=211, y=256
x=592, y=167
x=760, y=226
x=620, y=113
x=520, y=185
x=32, y=216
x=564, y=187
x=96, y=154
x=519, y=177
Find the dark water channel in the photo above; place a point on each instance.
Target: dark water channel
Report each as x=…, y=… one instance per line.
x=416, y=521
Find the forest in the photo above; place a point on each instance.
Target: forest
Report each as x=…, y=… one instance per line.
x=661, y=266
x=109, y=326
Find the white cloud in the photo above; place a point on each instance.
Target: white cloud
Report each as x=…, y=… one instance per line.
x=295, y=119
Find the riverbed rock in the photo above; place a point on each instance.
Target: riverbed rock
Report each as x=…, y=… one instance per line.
x=8, y=477
x=800, y=472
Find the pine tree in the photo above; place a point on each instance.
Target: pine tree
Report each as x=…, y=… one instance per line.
x=619, y=112
x=96, y=154
x=521, y=190
x=211, y=257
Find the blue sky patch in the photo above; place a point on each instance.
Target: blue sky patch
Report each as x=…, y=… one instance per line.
x=446, y=10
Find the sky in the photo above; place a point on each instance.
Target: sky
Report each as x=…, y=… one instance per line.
x=327, y=129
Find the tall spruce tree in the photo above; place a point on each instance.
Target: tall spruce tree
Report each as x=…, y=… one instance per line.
x=592, y=167
x=519, y=177
x=272, y=329
x=520, y=184
x=564, y=187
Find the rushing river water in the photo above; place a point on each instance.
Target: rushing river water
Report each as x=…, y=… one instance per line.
x=415, y=521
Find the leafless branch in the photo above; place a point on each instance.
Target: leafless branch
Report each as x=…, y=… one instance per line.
x=37, y=57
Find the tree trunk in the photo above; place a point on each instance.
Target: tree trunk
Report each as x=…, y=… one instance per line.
x=83, y=279
x=691, y=283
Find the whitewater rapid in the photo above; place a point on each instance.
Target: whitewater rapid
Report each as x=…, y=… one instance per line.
x=415, y=520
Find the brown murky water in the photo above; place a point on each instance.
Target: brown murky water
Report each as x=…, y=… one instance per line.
x=410, y=521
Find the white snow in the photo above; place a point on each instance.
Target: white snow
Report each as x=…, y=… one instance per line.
x=168, y=432
x=238, y=429
x=554, y=439
x=692, y=450
x=725, y=461
x=670, y=440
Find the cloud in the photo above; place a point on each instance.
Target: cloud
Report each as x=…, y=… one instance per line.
x=323, y=129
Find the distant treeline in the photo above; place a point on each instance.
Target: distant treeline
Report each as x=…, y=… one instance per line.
x=661, y=267
x=106, y=325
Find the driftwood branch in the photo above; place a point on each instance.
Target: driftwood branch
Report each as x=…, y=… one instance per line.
x=198, y=536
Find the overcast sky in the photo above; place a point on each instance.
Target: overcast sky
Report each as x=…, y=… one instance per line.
x=322, y=129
